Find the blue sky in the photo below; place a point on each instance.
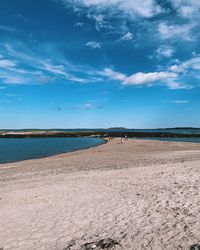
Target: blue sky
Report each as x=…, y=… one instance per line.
x=99, y=63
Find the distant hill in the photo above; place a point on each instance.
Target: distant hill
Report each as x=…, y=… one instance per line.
x=98, y=129
x=117, y=128
x=183, y=128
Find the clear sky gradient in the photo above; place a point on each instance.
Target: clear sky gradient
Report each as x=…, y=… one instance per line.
x=99, y=63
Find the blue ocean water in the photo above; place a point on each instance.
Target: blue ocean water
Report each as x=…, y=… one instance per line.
x=15, y=149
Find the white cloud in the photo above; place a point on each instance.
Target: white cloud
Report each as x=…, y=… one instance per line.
x=193, y=64
x=78, y=79
x=147, y=78
x=6, y=63
x=9, y=79
x=145, y=9
x=175, y=84
x=176, y=68
x=165, y=51
x=94, y=45
x=86, y=106
x=114, y=75
x=174, y=77
x=187, y=11
x=55, y=69
x=140, y=78
x=167, y=31
x=187, y=8
x=60, y=71
x=181, y=101
x=99, y=20
x=127, y=37
x=79, y=24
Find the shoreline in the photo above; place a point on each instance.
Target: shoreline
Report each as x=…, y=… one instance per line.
x=143, y=194
x=104, y=140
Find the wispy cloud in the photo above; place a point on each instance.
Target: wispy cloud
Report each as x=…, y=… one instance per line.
x=86, y=106
x=181, y=101
x=187, y=9
x=11, y=95
x=193, y=63
x=90, y=105
x=7, y=28
x=165, y=51
x=22, y=66
x=27, y=68
x=167, y=31
x=22, y=17
x=94, y=45
x=99, y=20
x=114, y=75
x=127, y=37
x=176, y=84
x=6, y=63
x=140, y=8
x=9, y=79
x=79, y=24
x=55, y=69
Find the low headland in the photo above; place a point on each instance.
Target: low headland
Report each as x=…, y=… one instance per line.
x=114, y=132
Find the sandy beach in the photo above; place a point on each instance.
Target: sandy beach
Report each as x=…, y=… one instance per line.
x=143, y=194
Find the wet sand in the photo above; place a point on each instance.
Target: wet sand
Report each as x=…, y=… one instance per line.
x=144, y=194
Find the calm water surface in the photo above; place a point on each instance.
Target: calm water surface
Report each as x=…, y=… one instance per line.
x=14, y=149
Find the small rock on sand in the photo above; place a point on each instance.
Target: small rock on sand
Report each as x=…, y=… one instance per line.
x=106, y=243
x=195, y=247
x=90, y=246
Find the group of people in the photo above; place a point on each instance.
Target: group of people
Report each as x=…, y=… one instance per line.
x=123, y=139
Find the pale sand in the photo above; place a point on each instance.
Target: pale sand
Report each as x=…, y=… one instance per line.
x=144, y=194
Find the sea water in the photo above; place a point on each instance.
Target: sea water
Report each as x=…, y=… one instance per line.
x=17, y=149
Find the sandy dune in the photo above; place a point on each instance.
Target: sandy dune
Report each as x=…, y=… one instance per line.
x=143, y=194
